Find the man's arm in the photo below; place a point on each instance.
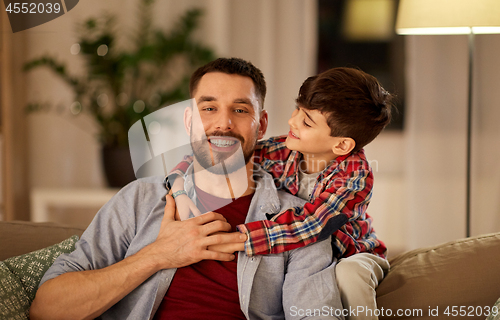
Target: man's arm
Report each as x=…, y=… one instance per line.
x=179, y=243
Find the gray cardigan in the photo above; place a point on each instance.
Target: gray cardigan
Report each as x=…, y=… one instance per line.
x=293, y=285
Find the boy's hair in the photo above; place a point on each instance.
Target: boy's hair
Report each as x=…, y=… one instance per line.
x=354, y=103
x=232, y=66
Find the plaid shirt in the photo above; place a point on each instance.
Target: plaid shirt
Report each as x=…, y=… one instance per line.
x=337, y=205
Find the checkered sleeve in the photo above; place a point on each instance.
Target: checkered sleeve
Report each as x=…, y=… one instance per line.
x=182, y=167
x=345, y=200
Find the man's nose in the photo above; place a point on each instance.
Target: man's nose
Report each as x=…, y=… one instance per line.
x=224, y=121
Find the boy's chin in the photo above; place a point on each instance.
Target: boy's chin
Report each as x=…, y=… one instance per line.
x=289, y=144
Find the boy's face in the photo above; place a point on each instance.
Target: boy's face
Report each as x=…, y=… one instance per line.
x=310, y=134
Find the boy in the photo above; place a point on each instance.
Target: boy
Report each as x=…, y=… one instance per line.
x=321, y=160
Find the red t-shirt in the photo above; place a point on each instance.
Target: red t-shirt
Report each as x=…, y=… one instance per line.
x=207, y=289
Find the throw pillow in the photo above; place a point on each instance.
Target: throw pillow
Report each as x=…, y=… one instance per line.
x=495, y=311
x=14, y=303
x=20, y=276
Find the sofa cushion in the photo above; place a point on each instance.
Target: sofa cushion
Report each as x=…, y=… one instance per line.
x=461, y=273
x=20, y=237
x=20, y=276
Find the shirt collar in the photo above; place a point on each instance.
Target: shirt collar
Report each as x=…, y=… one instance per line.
x=265, y=199
x=291, y=170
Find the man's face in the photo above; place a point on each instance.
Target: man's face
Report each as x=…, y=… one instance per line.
x=231, y=118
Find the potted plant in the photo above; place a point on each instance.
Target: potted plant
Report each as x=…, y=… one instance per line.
x=123, y=85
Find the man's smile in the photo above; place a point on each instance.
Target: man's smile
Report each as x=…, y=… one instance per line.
x=223, y=143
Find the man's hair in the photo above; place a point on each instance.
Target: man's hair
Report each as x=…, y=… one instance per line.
x=232, y=66
x=354, y=103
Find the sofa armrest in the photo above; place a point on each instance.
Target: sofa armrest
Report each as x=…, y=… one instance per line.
x=20, y=237
x=458, y=273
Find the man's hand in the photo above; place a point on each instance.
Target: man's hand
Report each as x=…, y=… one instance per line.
x=181, y=243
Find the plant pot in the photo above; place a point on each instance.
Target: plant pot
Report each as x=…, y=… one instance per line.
x=117, y=166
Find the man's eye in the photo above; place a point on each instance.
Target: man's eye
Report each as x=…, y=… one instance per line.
x=208, y=109
x=240, y=111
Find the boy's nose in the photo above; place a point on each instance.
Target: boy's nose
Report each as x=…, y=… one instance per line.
x=291, y=121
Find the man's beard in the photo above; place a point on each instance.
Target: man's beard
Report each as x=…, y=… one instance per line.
x=222, y=162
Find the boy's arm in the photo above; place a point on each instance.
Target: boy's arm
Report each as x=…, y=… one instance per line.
x=345, y=201
x=181, y=168
x=184, y=204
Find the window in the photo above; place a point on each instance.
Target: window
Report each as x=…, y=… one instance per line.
x=378, y=51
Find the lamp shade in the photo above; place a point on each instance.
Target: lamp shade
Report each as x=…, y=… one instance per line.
x=369, y=20
x=448, y=16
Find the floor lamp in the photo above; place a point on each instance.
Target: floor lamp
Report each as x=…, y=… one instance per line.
x=426, y=17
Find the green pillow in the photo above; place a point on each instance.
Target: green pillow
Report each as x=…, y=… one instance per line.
x=20, y=276
x=495, y=311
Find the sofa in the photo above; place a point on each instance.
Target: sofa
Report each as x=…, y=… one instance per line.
x=458, y=279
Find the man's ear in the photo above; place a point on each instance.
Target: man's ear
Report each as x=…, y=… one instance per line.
x=263, y=121
x=188, y=116
x=343, y=146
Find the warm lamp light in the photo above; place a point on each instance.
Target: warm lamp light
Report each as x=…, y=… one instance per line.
x=448, y=17
x=424, y=17
x=369, y=20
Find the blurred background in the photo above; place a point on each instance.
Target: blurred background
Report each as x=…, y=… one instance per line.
x=52, y=146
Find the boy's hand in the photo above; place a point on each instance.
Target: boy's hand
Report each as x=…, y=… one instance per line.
x=228, y=247
x=184, y=207
x=176, y=215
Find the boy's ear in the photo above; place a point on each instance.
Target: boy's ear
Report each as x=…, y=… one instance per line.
x=343, y=146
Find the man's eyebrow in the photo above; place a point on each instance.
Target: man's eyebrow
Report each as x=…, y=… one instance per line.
x=206, y=98
x=243, y=101
x=307, y=114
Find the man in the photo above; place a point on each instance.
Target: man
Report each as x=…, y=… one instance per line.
x=126, y=260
